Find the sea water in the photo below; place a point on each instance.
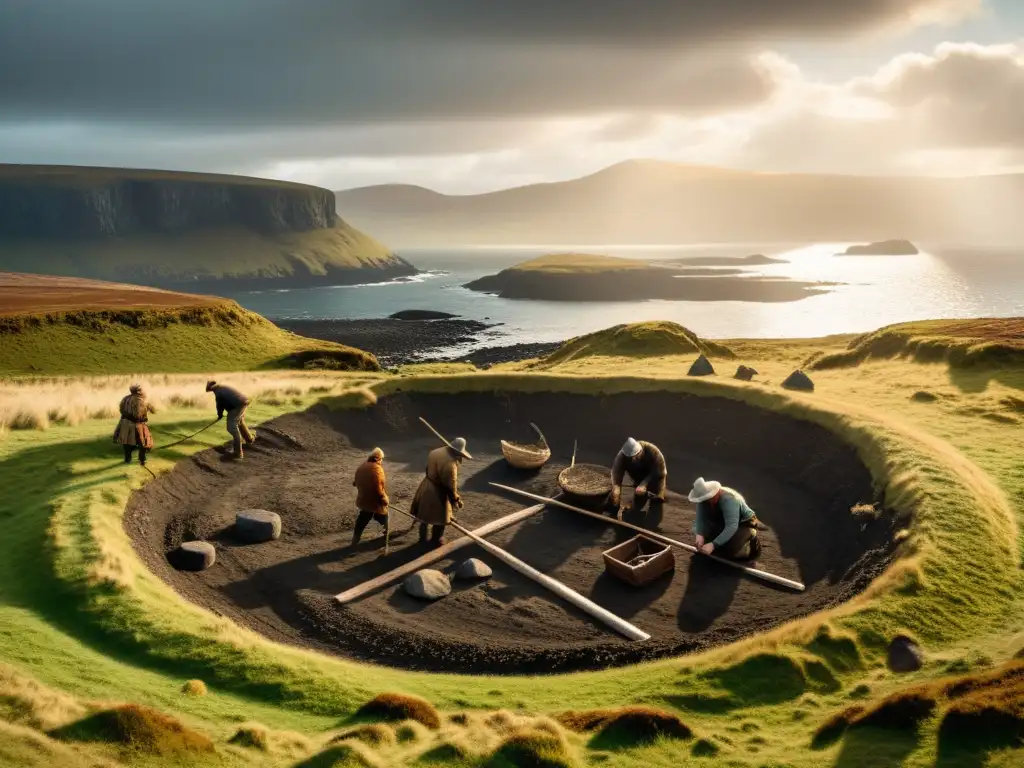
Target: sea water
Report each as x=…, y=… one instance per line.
x=939, y=282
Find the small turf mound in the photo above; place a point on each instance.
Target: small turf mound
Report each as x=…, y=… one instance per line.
x=923, y=396
x=655, y=339
x=251, y=736
x=960, y=343
x=901, y=711
x=374, y=735
x=194, y=688
x=446, y=752
x=342, y=756
x=136, y=727
x=704, y=748
x=627, y=726
x=400, y=706
x=532, y=748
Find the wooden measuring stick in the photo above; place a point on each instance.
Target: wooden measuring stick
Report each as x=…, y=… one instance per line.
x=621, y=626
x=659, y=537
x=434, y=555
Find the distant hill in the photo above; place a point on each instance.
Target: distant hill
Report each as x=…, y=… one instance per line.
x=650, y=202
x=190, y=231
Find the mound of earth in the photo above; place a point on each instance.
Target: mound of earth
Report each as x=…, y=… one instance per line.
x=653, y=339
x=510, y=625
x=883, y=248
x=960, y=343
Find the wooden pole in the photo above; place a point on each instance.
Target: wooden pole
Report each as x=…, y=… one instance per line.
x=619, y=625
x=435, y=555
x=659, y=537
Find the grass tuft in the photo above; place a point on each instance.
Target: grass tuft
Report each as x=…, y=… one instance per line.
x=351, y=755
x=374, y=735
x=138, y=728
x=704, y=748
x=626, y=727
x=400, y=706
x=531, y=748
x=251, y=736
x=194, y=688
x=901, y=711
x=444, y=753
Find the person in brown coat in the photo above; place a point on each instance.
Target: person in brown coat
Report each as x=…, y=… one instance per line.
x=438, y=492
x=132, y=430
x=371, y=493
x=645, y=465
x=232, y=402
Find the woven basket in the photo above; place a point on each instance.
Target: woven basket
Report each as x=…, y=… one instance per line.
x=527, y=456
x=586, y=481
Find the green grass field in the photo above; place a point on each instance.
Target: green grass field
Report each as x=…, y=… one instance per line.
x=85, y=627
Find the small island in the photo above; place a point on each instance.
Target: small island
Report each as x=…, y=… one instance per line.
x=754, y=260
x=594, y=277
x=883, y=248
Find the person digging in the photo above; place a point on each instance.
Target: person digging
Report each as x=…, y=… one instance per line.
x=132, y=430
x=725, y=526
x=438, y=492
x=229, y=400
x=645, y=465
x=371, y=494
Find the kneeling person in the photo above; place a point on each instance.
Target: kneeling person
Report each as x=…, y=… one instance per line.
x=371, y=493
x=645, y=465
x=725, y=525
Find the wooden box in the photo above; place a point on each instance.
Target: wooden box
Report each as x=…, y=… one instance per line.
x=617, y=559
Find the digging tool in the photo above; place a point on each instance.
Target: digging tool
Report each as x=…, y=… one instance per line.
x=764, y=575
x=185, y=439
x=621, y=626
x=433, y=556
x=387, y=536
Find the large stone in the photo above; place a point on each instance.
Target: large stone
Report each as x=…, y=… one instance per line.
x=473, y=569
x=745, y=373
x=257, y=525
x=193, y=556
x=905, y=655
x=799, y=380
x=701, y=367
x=427, y=584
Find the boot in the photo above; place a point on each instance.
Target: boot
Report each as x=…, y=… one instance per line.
x=237, y=449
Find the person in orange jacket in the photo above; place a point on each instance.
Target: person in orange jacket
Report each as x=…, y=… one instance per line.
x=371, y=493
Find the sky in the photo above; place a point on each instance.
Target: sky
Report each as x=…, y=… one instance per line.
x=466, y=96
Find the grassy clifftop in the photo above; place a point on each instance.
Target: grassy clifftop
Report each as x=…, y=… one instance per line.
x=652, y=339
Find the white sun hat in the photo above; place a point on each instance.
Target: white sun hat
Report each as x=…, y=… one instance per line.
x=631, y=448
x=459, y=446
x=702, y=491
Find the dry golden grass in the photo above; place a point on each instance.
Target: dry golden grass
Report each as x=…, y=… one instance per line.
x=38, y=404
x=27, y=702
x=194, y=688
x=400, y=706
x=137, y=728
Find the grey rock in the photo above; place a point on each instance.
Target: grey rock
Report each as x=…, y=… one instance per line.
x=905, y=655
x=427, y=584
x=701, y=367
x=473, y=569
x=257, y=525
x=193, y=556
x=799, y=380
x=745, y=373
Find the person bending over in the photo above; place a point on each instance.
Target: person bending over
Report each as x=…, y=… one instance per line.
x=725, y=526
x=645, y=465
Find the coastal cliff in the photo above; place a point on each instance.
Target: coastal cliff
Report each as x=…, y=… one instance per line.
x=170, y=229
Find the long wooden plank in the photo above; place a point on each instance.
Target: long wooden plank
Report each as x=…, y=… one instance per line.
x=434, y=555
x=659, y=537
x=621, y=626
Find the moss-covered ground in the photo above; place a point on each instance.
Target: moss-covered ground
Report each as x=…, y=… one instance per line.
x=84, y=627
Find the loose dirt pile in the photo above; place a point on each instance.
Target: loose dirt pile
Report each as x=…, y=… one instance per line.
x=799, y=478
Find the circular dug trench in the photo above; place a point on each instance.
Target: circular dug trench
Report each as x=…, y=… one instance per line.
x=800, y=478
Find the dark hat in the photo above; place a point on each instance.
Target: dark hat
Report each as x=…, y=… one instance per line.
x=210, y=385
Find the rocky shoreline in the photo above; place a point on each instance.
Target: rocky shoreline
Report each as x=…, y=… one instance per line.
x=397, y=340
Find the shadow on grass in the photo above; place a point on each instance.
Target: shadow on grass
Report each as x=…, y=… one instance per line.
x=876, y=747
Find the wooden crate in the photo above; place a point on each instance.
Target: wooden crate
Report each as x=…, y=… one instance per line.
x=616, y=560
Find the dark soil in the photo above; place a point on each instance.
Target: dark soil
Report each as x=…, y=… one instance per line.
x=800, y=479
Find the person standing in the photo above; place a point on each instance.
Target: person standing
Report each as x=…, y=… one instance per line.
x=229, y=400
x=132, y=430
x=725, y=524
x=371, y=493
x=438, y=492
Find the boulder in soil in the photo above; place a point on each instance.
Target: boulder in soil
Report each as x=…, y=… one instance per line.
x=799, y=380
x=427, y=584
x=905, y=655
x=257, y=525
x=193, y=556
x=701, y=367
x=745, y=373
x=473, y=569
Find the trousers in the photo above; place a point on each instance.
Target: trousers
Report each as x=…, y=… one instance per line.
x=436, y=532
x=130, y=449
x=363, y=519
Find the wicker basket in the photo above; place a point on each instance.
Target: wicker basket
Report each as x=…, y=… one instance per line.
x=523, y=456
x=586, y=481
x=658, y=559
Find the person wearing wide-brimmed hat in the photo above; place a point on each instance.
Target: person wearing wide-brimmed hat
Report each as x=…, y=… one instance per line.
x=371, y=493
x=438, y=492
x=132, y=431
x=229, y=400
x=725, y=526
x=645, y=465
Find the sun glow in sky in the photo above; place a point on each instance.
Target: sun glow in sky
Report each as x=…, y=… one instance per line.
x=465, y=97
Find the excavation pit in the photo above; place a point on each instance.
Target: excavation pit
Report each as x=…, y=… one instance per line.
x=800, y=478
